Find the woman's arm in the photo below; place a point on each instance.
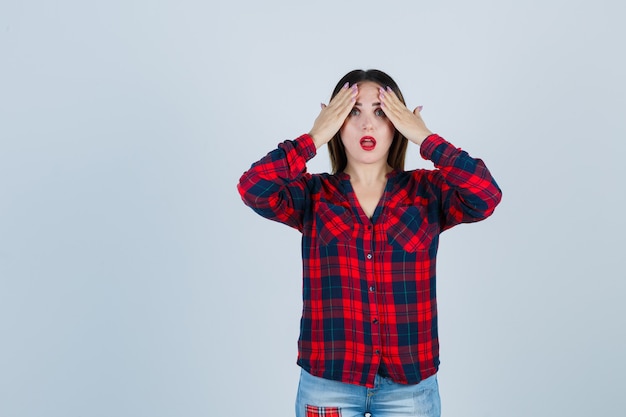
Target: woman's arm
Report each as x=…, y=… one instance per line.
x=276, y=186
x=466, y=189
x=468, y=192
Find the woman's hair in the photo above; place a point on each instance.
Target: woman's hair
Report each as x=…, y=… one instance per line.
x=397, y=151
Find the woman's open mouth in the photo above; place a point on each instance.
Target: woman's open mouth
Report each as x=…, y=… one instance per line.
x=368, y=143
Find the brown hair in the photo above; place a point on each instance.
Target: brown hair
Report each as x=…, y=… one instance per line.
x=397, y=151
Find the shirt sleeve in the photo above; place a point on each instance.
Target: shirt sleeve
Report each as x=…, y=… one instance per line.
x=468, y=192
x=275, y=186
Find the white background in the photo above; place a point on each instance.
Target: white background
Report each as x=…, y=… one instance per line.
x=134, y=282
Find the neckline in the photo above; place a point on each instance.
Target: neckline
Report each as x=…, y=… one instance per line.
x=346, y=177
x=354, y=201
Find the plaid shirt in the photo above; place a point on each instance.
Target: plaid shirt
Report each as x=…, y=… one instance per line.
x=369, y=284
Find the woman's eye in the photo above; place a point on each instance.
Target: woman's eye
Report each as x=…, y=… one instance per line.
x=354, y=112
x=379, y=113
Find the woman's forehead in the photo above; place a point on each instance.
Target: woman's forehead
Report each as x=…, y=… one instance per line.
x=368, y=91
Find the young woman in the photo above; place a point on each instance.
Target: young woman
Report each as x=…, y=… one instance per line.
x=368, y=337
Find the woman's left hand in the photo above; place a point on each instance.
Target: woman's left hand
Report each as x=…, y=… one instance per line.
x=410, y=124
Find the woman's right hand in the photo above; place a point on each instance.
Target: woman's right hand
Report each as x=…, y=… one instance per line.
x=331, y=118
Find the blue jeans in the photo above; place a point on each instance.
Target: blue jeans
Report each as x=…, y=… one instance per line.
x=323, y=397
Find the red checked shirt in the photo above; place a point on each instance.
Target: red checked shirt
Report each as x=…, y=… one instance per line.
x=369, y=284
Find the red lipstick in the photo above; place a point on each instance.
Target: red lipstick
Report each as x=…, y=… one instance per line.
x=368, y=143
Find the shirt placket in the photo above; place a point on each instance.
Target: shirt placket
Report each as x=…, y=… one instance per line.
x=371, y=258
x=373, y=261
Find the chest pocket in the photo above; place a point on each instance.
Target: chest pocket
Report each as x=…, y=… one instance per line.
x=409, y=228
x=334, y=224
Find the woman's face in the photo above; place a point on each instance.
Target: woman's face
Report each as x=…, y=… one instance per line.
x=367, y=134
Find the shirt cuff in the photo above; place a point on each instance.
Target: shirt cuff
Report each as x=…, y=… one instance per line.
x=306, y=146
x=428, y=146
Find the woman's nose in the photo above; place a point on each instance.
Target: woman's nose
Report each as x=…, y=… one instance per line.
x=367, y=122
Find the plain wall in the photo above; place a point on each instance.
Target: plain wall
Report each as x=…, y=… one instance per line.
x=134, y=282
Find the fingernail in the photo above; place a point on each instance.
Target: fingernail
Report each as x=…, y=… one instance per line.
x=322, y=105
x=419, y=108
x=346, y=85
x=388, y=88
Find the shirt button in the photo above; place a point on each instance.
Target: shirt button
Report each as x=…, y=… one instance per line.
x=369, y=256
x=372, y=289
x=369, y=227
x=367, y=415
x=375, y=321
x=377, y=352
